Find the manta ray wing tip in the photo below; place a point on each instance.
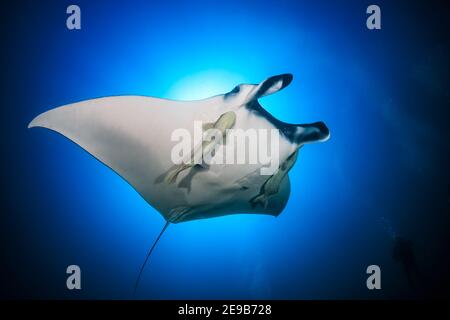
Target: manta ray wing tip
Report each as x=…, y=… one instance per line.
x=38, y=121
x=32, y=124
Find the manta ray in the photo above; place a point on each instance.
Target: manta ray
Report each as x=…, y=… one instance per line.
x=133, y=135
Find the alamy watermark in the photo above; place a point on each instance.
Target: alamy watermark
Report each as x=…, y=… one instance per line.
x=373, y=21
x=234, y=146
x=74, y=279
x=373, y=282
x=73, y=21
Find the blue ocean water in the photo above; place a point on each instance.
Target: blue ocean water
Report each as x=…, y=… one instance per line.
x=382, y=94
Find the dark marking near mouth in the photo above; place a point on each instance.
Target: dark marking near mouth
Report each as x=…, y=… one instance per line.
x=232, y=92
x=288, y=130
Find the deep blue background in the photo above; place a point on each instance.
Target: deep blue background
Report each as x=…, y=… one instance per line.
x=384, y=95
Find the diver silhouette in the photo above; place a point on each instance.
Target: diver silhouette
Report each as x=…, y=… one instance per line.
x=404, y=254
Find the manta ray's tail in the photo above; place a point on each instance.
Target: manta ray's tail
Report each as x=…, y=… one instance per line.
x=148, y=256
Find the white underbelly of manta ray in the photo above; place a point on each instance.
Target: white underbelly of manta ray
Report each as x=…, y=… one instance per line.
x=133, y=135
